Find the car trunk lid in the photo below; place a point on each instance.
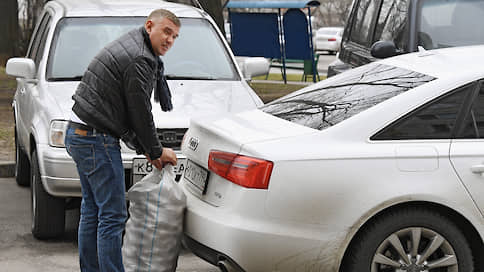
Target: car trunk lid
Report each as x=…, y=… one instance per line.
x=229, y=134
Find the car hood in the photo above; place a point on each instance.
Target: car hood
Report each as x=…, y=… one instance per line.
x=190, y=98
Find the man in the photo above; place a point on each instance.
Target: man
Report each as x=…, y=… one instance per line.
x=113, y=102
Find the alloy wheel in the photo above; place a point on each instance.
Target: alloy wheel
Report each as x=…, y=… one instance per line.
x=415, y=249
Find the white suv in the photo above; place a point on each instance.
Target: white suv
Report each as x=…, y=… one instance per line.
x=201, y=71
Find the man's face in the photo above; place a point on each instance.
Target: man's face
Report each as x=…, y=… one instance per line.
x=163, y=33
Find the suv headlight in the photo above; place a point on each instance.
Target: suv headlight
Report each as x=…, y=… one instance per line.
x=57, y=133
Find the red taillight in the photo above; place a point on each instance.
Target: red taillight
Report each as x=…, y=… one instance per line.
x=242, y=170
x=332, y=39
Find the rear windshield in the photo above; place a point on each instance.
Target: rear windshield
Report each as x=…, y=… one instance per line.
x=448, y=23
x=331, y=101
x=198, y=52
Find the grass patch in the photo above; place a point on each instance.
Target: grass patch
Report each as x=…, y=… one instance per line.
x=7, y=138
x=6, y=82
x=6, y=133
x=290, y=77
x=270, y=91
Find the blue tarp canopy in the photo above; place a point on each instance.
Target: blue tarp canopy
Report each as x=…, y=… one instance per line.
x=271, y=4
x=296, y=35
x=255, y=34
x=261, y=34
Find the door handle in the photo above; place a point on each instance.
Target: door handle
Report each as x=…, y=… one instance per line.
x=478, y=169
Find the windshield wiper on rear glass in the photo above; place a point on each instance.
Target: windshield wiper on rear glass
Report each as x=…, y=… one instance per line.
x=73, y=78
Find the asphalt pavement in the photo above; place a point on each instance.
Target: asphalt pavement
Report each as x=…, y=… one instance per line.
x=21, y=252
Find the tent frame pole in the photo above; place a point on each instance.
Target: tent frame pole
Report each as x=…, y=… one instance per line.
x=283, y=46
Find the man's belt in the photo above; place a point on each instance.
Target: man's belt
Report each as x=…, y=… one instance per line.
x=80, y=126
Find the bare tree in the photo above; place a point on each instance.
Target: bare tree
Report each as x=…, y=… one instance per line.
x=9, y=30
x=28, y=16
x=212, y=7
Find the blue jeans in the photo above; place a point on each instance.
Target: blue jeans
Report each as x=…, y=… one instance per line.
x=103, y=206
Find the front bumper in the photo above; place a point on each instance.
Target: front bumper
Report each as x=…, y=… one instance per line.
x=59, y=172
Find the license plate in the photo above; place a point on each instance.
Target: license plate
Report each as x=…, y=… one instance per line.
x=197, y=176
x=142, y=167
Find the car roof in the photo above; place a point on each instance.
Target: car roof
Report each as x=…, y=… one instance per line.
x=454, y=62
x=86, y=8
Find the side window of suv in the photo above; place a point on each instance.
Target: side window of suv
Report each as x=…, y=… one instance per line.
x=40, y=38
x=361, y=28
x=392, y=22
x=435, y=120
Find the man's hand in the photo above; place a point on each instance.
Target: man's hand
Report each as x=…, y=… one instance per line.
x=168, y=156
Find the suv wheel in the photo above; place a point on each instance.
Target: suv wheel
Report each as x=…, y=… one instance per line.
x=48, y=212
x=410, y=239
x=22, y=165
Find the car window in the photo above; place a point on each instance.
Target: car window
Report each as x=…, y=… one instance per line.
x=450, y=23
x=198, y=52
x=78, y=40
x=330, y=102
x=38, y=43
x=392, y=22
x=436, y=120
x=360, y=29
x=43, y=40
x=473, y=125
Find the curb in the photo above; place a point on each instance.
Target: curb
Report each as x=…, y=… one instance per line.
x=7, y=169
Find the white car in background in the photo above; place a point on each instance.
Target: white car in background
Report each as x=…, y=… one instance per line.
x=328, y=39
x=378, y=169
x=201, y=70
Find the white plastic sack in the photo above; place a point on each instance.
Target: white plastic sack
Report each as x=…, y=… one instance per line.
x=152, y=241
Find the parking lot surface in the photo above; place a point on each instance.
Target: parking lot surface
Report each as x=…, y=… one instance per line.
x=21, y=252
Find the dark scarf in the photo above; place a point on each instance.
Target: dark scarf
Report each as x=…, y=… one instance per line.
x=162, y=91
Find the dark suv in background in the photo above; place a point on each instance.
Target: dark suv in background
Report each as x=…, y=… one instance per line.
x=383, y=28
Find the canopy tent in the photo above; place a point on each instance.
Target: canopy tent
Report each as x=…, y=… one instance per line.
x=273, y=35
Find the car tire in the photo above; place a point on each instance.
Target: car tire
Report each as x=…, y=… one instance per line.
x=48, y=212
x=386, y=244
x=22, y=165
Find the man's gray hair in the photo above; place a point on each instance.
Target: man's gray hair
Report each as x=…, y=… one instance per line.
x=163, y=13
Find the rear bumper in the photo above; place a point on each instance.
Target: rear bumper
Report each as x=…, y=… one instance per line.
x=251, y=242
x=329, y=46
x=210, y=255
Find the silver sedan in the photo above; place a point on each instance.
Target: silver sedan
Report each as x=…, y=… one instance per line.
x=378, y=169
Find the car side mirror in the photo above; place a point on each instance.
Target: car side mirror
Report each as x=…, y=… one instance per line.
x=384, y=49
x=21, y=67
x=253, y=66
